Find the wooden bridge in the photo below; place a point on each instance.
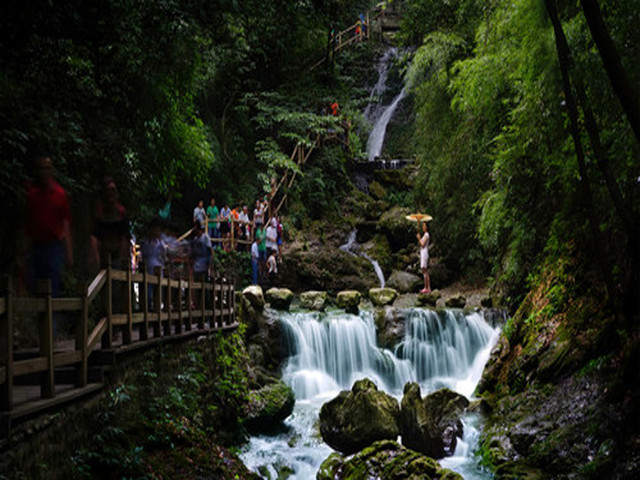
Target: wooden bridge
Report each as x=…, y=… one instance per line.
x=59, y=371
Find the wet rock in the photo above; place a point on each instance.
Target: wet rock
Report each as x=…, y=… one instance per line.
x=390, y=326
x=255, y=297
x=355, y=419
x=428, y=298
x=279, y=298
x=385, y=459
x=377, y=191
x=382, y=296
x=458, y=301
x=269, y=406
x=431, y=426
x=314, y=300
x=395, y=226
x=486, y=302
x=404, y=282
x=349, y=300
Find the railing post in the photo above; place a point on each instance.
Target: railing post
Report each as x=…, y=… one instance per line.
x=190, y=300
x=47, y=389
x=144, y=331
x=179, y=320
x=6, y=357
x=233, y=233
x=157, y=301
x=107, y=338
x=128, y=329
x=82, y=327
x=203, y=290
x=168, y=305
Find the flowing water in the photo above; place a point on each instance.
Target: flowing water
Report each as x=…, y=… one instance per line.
x=329, y=351
x=353, y=248
x=380, y=115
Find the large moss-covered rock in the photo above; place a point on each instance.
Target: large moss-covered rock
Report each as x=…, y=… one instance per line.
x=264, y=343
x=395, y=226
x=385, y=459
x=254, y=296
x=349, y=300
x=431, y=426
x=269, y=406
x=377, y=191
x=428, y=298
x=279, y=298
x=390, y=326
x=382, y=296
x=458, y=301
x=314, y=300
x=355, y=419
x=404, y=282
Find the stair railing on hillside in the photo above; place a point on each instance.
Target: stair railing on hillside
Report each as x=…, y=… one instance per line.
x=178, y=307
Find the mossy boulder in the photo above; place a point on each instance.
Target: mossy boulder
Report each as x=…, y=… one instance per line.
x=428, y=298
x=254, y=296
x=458, y=301
x=377, y=191
x=357, y=418
x=269, y=406
x=382, y=296
x=395, y=226
x=385, y=459
x=431, y=425
x=349, y=300
x=404, y=282
x=279, y=298
x=314, y=300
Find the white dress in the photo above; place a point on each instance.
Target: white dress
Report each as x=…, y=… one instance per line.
x=424, y=251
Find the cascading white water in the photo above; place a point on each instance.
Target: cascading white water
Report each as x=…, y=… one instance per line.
x=330, y=351
x=353, y=248
x=376, y=137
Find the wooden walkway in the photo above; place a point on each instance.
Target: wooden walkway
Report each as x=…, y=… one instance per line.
x=130, y=311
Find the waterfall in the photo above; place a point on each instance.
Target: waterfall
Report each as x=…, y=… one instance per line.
x=331, y=351
x=376, y=137
x=353, y=248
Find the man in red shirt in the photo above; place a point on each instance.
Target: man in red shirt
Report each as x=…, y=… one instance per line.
x=48, y=224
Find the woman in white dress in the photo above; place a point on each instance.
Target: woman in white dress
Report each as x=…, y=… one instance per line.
x=424, y=257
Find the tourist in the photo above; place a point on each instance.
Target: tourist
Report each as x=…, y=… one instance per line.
x=245, y=227
x=199, y=214
x=258, y=214
x=272, y=235
x=201, y=256
x=280, y=238
x=154, y=252
x=110, y=235
x=261, y=236
x=272, y=268
x=212, y=216
x=48, y=224
x=255, y=261
x=225, y=226
x=424, y=256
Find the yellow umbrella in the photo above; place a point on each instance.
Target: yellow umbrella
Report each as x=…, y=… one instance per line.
x=419, y=217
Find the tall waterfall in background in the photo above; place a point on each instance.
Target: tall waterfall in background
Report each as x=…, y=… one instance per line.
x=378, y=114
x=331, y=351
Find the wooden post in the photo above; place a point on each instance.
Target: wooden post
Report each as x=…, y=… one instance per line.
x=47, y=388
x=157, y=301
x=144, y=331
x=190, y=297
x=233, y=233
x=82, y=334
x=168, y=305
x=203, y=290
x=6, y=356
x=128, y=329
x=179, y=307
x=107, y=338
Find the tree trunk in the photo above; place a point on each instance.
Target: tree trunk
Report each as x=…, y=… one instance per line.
x=612, y=64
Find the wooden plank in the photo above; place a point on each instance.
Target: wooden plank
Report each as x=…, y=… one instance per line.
x=119, y=319
x=67, y=358
x=45, y=324
x=32, y=408
x=33, y=365
x=97, y=333
x=96, y=285
x=119, y=275
x=137, y=277
x=67, y=304
x=29, y=305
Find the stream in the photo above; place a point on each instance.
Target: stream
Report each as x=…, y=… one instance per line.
x=332, y=350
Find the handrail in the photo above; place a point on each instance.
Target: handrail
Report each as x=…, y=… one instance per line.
x=151, y=323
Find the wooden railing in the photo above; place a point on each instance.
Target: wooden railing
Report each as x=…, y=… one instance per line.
x=181, y=307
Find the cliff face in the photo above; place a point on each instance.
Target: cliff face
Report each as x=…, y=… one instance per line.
x=562, y=385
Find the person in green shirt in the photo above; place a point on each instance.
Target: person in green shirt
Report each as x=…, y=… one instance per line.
x=214, y=227
x=261, y=236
